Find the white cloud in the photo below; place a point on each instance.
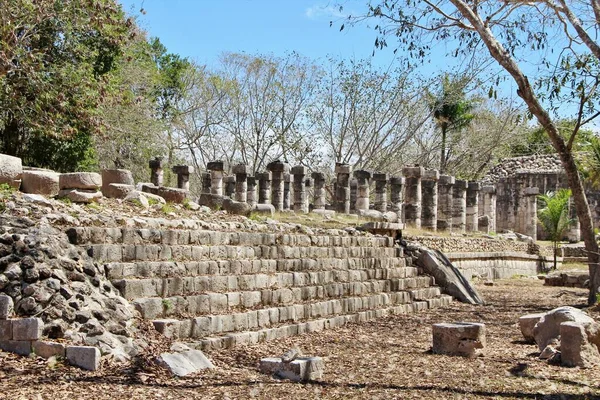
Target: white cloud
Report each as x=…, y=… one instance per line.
x=324, y=11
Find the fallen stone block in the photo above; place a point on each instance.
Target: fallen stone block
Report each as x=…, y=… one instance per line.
x=460, y=339
x=86, y=357
x=527, y=323
x=117, y=190
x=184, y=361
x=80, y=180
x=80, y=196
x=212, y=201
x=37, y=199
x=11, y=170
x=236, y=207
x=170, y=195
x=264, y=209
x=118, y=176
x=579, y=344
x=40, y=182
x=299, y=369
x=548, y=328
x=7, y=307
x=27, y=328
x=168, y=327
x=20, y=347
x=48, y=349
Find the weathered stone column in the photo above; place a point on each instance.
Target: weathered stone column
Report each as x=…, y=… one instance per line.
x=429, y=196
x=473, y=206
x=216, y=177
x=397, y=196
x=156, y=171
x=531, y=195
x=412, y=196
x=445, y=202
x=342, y=188
x=308, y=183
x=206, y=182
x=487, y=206
x=241, y=182
x=299, y=173
x=229, y=186
x=264, y=187
x=278, y=169
x=353, y=194
x=287, y=201
x=381, y=182
x=459, y=206
x=251, y=192
x=183, y=175
x=574, y=232
x=363, y=179
x=319, y=198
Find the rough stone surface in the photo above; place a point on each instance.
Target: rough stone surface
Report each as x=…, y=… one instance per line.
x=40, y=182
x=264, y=209
x=548, y=328
x=80, y=196
x=20, y=347
x=170, y=195
x=80, y=180
x=236, y=207
x=48, y=349
x=86, y=357
x=300, y=369
x=117, y=190
x=11, y=169
x=461, y=339
x=527, y=323
x=6, y=306
x=185, y=362
x=27, y=328
x=579, y=344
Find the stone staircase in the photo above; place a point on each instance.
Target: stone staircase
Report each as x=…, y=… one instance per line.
x=216, y=288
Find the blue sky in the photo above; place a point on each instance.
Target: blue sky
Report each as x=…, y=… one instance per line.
x=203, y=29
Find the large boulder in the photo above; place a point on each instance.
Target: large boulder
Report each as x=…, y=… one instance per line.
x=236, y=207
x=117, y=190
x=548, y=328
x=527, y=323
x=80, y=196
x=579, y=344
x=11, y=169
x=80, y=180
x=38, y=181
x=458, y=339
x=119, y=176
x=183, y=361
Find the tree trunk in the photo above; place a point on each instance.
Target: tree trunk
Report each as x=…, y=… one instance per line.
x=443, y=151
x=525, y=91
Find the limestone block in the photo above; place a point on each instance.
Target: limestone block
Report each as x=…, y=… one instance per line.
x=27, y=328
x=80, y=196
x=214, y=201
x=170, y=195
x=461, y=339
x=11, y=169
x=5, y=329
x=48, y=349
x=40, y=182
x=548, y=328
x=215, y=166
x=264, y=209
x=20, y=347
x=6, y=306
x=185, y=361
x=527, y=323
x=86, y=357
x=118, y=176
x=168, y=327
x=236, y=207
x=299, y=370
x=117, y=190
x=80, y=180
x=579, y=344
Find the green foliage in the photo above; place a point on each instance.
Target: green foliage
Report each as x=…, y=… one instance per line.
x=554, y=216
x=537, y=141
x=167, y=208
x=62, y=154
x=152, y=201
x=167, y=305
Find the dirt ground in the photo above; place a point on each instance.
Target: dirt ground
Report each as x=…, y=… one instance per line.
x=385, y=359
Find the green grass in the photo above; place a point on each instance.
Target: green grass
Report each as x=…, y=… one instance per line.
x=167, y=208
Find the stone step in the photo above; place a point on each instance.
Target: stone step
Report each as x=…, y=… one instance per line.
x=98, y=235
x=283, y=290
x=216, y=303
x=160, y=252
x=310, y=268
x=203, y=326
x=257, y=336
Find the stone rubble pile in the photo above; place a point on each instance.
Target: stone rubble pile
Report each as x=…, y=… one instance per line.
x=294, y=366
x=511, y=166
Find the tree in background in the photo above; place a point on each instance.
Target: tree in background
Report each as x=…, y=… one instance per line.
x=554, y=216
x=452, y=112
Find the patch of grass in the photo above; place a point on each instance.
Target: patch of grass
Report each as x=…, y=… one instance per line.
x=94, y=206
x=256, y=217
x=152, y=201
x=167, y=208
x=65, y=200
x=6, y=190
x=167, y=305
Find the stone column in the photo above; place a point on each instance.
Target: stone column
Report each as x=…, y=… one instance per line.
x=308, y=183
x=251, y=191
x=319, y=199
x=473, y=206
x=278, y=169
x=531, y=195
x=206, y=182
x=216, y=177
x=342, y=188
x=241, y=182
x=444, y=215
x=459, y=206
x=396, y=195
x=363, y=179
x=353, y=194
x=299, y=173
x=264, y=187
x=183, y=175
x=429, y=195
x=229, y=186
x=574, y=232
x=381, y=182
x=156, y=171
x=412, y=195
x=287, y=179
x=487, y=206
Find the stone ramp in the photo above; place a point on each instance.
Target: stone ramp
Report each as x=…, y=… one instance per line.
x=219, y=288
